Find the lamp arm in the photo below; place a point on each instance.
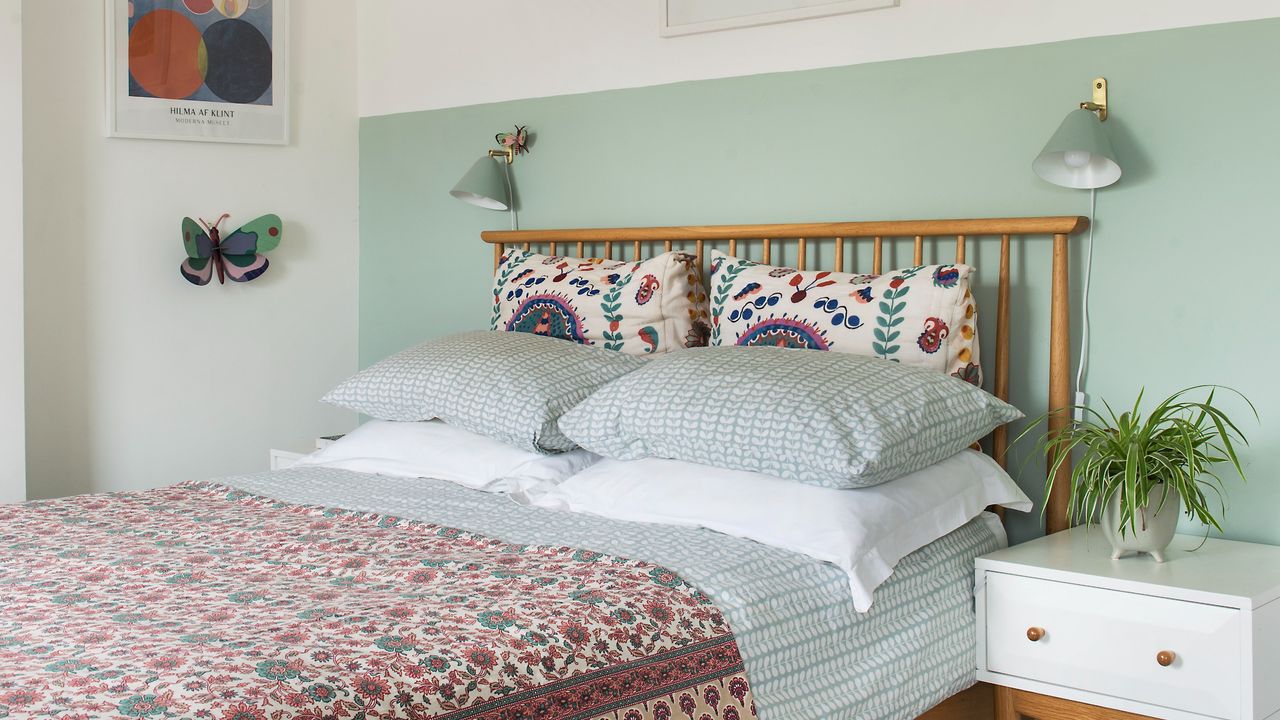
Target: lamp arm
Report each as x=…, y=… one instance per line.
x=507, y=153
x=1095, y=107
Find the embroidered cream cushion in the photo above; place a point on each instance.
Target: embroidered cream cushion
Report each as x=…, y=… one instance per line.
x=924, y=316
x=649, y=307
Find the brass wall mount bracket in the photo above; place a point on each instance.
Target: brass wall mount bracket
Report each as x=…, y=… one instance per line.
x=1099, y=102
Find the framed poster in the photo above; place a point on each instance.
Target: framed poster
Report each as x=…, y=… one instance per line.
x=208, y=70
x=686, y=17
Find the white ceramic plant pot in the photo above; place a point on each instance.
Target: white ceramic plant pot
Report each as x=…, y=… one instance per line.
x=1152, y=531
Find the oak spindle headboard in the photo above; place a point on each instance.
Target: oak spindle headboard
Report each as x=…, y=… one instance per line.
x=805, y=238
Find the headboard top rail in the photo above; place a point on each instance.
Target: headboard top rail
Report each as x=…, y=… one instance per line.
x=1058, y=225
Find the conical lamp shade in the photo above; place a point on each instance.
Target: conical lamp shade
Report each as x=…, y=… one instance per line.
x=1079, y=155
x=484, y=185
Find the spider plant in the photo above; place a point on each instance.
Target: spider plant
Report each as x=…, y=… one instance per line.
x=1172, y=449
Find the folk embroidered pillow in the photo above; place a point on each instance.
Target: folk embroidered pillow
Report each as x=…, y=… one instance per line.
x=649, y=307
x=831, y=419
x=922, y=316
x=511, y=387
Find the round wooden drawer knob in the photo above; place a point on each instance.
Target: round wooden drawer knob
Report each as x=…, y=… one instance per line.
x=1034, y=634
x=1166, y=658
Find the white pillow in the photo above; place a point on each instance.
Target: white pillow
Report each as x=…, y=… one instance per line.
x=863, y=531
x=435, y=450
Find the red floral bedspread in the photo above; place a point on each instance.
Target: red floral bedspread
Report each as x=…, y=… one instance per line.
x=199, y=601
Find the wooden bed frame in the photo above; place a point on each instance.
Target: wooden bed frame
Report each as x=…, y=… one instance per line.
x=807, y=239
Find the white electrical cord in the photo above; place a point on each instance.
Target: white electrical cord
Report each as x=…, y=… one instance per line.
x=1084, y=335
x=511, y=196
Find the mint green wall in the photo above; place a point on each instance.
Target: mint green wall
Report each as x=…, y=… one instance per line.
x=1187, y=249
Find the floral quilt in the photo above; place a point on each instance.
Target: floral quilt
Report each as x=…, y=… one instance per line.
x=201, y=601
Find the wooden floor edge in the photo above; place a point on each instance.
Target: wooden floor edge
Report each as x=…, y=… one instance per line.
x=976, y=703
x=1013, y=704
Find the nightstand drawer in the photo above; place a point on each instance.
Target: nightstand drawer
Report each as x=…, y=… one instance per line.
x=1108, y=642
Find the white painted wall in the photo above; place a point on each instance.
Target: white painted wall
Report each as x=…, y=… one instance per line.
x=13, y=486
x=136, y=378
x=417, y=55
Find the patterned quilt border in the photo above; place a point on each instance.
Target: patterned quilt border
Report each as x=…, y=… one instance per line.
x=111, y=584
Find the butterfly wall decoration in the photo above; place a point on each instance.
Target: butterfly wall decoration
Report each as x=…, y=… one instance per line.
x=517, y=142
x=237, y=256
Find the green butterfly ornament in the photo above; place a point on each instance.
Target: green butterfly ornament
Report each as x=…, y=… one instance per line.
x=237, y=256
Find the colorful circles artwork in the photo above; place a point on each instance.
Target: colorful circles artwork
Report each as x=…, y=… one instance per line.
x=205, y=50
x=166, y=54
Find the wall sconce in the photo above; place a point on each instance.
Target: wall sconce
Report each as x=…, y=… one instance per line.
x=1079, y=155
x=488, y=183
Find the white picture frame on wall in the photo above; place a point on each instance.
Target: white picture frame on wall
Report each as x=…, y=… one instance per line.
x=198, y=70
x=687, y=17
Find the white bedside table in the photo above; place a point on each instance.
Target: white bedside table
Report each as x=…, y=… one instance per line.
x=1062, y=626
x=281, y=459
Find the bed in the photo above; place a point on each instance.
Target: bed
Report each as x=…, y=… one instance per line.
x=317, y=592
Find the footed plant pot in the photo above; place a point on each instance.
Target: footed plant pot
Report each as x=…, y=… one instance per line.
x=1152, y=531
